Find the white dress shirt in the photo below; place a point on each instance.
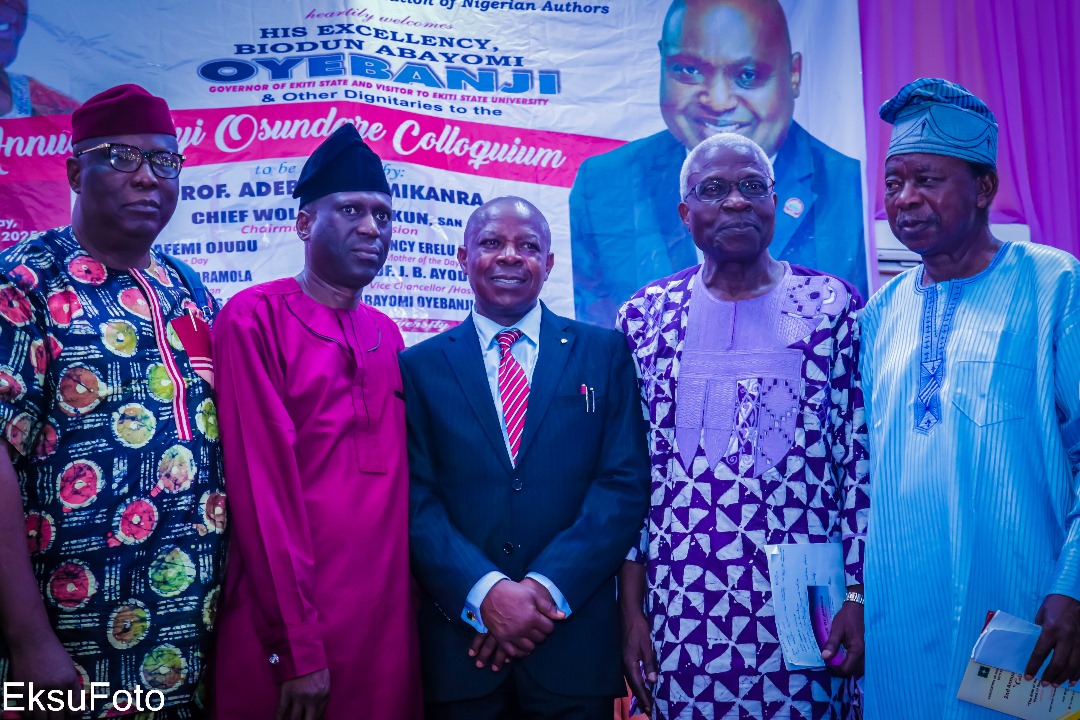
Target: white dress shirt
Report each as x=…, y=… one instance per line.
x=525, y=351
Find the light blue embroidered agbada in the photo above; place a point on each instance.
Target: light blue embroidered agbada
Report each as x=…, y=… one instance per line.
x=972, y=393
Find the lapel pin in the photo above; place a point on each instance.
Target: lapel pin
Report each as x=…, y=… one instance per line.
x=794, y=207
x=563, y=341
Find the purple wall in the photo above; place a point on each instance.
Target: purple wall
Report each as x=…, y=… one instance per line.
x=1022, y=58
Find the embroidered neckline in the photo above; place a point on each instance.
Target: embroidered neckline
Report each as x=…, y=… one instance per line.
x=935, y=340
x=784, y=281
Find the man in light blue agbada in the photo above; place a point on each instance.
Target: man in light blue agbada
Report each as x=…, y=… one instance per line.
x=970, y=373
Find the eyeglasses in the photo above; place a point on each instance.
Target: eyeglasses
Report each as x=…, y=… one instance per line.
x=128, y=158
x=715, y=189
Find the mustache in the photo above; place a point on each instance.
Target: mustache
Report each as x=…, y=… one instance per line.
x=907, y=220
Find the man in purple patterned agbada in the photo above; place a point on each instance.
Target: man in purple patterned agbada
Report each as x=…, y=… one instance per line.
x=749, y=376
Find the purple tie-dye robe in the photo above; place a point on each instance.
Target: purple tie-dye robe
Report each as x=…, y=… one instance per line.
x=757, y=437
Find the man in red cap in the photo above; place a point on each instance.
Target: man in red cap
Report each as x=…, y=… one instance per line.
x=111, y=496
x=316, y=618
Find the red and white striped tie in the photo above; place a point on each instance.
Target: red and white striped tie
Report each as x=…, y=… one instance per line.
x=513, y=390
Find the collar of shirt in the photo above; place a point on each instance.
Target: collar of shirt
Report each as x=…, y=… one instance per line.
x=524, y=350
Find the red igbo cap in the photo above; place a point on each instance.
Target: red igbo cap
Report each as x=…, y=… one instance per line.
x=121, y=110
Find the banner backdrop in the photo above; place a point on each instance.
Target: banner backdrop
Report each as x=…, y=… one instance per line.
x=465, y=100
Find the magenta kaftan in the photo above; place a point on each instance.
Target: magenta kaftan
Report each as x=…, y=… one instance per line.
x=313, y=426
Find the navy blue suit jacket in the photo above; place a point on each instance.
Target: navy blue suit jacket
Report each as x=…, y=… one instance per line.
x=625, y=229
x=570, y=510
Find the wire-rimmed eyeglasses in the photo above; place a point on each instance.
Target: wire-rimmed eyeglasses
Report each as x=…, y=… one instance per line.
x=714, y=190
x=128, y=158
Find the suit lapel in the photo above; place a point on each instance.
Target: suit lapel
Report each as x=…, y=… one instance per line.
x=794, y=188
x=465, y=357
x=556, y=342
x=662, y=178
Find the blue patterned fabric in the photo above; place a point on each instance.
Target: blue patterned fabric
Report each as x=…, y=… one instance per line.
x=119, y=465
x=935, y=116
x=980, y=513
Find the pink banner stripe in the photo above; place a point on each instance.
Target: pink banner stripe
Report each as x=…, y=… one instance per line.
x=35, y=148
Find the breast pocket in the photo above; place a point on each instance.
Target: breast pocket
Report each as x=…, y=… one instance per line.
x=378, y=409
x=576, y=419
x=588, y=406
x=991, y=386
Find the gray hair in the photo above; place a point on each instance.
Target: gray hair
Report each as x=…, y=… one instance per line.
x=730, y=141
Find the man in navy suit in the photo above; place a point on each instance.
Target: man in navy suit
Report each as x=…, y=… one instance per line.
x=530, y=482
x=727, y=67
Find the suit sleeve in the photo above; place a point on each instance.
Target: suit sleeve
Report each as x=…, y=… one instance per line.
x=590, y=282
x=639, y=552
x=270, y=530
x=445, y=563
x=585, y=555
x=836, y=222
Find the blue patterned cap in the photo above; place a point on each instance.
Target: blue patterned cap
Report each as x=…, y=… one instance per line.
x=936, y=116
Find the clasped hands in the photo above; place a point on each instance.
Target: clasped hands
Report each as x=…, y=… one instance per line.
x=518, y=617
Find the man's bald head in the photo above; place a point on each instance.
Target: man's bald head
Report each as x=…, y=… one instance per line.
x=769, y=13
x=508, y=204
x=507, y=257
x=728, y=67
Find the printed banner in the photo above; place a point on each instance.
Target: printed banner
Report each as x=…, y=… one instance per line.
x=465, y=100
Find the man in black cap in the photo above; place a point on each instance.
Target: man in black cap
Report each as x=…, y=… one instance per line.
x=316, y=602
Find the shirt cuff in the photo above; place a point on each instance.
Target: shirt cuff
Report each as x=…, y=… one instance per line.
x=558, y=597
x=297, y=650
x=1067, y=574
x=471, y=613
x=640, y=552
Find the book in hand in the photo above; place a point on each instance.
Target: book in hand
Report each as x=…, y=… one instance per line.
x=994, y=677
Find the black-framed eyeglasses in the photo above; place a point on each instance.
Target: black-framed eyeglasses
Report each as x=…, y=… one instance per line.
x=128, y=158
x=716, y=189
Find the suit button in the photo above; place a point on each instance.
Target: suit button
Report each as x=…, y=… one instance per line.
x=471, y=615
x=508, y=548
x=517, y=484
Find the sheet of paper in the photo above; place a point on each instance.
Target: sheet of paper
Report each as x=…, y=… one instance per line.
x=808, y=588
x=1009, y=693
x=1007, y=642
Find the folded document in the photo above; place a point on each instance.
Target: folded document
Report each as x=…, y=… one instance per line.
x=995, y=674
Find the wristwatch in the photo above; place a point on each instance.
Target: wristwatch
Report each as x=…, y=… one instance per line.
x=854, y=597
